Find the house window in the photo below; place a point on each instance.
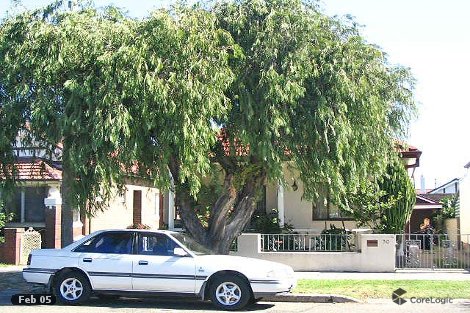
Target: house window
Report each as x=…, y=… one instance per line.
x=323, y=209
x=320, y=209
x=27, y=205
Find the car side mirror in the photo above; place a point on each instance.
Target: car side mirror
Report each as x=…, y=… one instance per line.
x=180, y=252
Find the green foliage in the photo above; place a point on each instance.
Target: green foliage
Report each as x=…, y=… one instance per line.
x=149, y=97
x=334, y=239
x=4, y=216
x=138, y=226
x=450, y=206
x=386, y=205
x=311, y=85
x=115, y=91
x=379, y=288
x=269, y=224
x=369, y=206
x=450, y=209
x=397, y=185
x=208, y=194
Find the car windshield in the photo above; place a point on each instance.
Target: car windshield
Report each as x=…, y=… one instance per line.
x=192, y=244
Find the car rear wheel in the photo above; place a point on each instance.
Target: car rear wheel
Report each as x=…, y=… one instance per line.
x=229, y=292
x=72, y=288
x=254, y=300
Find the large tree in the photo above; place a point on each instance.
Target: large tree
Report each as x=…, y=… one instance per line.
x=116, y=92
x=242, y=88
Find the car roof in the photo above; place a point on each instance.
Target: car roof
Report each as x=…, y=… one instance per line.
x=163, y=231
x=93, y=234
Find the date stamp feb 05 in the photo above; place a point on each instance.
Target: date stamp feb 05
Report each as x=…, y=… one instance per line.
x=33, y=299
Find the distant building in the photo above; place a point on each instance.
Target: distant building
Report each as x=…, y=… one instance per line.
x=465, y=203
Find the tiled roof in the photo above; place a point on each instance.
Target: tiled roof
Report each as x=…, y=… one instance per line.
x=239, y=149
x=36, y=169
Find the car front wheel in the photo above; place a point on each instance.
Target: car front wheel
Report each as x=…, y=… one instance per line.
x=72, y=288
x=229, y=292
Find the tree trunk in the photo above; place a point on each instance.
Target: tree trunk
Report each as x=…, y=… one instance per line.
x=67, y=211
x=229, y=215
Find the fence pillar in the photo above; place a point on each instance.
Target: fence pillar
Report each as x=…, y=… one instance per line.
x=378, y=253
x=12, y=245
x=53, y=233
x=248, y=245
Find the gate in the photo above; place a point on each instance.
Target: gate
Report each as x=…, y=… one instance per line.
x=432, y=251
x=30, y=240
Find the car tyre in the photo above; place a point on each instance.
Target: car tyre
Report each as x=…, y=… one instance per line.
x=254, y=300
x=72, y=288
x=230, y=292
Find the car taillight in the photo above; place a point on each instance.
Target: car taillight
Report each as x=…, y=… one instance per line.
x=29, y=259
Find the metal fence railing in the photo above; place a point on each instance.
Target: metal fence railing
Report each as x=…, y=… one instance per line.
x=433, y=251
x=307, y=242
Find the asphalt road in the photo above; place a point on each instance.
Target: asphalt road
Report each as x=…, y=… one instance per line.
x=176, y=305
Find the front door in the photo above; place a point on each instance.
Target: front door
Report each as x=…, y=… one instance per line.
x=157, y=269
x=107, y=259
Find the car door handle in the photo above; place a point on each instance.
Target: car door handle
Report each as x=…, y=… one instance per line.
x=87, y=260
x=143, y=262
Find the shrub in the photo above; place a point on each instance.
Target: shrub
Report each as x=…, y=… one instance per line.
x=138, y=226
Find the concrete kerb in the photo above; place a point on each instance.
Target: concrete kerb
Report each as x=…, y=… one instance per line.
x=11, y=268
x=310, y=298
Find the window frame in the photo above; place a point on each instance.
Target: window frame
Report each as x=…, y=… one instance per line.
x=101, y=235
x=140, y=235
x=328, y=212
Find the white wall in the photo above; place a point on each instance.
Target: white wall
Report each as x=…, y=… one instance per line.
x=465, y=205
x=120, y=211
x=380, y=258
x=297, y=211
x=35, y=150
x=450, y=187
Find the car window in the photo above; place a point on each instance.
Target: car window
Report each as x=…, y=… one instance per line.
x=118, y=243
x=155, y=244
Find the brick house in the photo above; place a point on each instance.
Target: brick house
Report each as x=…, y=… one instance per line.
x=37, y=201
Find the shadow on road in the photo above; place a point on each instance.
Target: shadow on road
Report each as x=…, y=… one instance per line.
x=156, y=303
x=162, y=303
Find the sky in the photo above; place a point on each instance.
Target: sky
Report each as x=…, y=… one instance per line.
x=431, y=37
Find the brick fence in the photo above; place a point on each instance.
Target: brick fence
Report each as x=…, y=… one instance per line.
x=2, y=248
x=10, y=250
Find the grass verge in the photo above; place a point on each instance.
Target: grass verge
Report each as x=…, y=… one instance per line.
x=364, y=289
